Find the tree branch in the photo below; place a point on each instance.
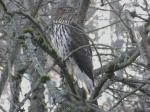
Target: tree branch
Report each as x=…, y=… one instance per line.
x=119, y=63
x=83, y=11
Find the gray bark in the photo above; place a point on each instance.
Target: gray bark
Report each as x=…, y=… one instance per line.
x=37, y=98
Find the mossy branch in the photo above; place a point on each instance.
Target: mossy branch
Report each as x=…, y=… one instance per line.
x=43, y=42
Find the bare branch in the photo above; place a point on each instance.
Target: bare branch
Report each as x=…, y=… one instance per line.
x=119, y=63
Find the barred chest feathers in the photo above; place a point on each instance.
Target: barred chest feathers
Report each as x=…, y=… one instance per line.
x=61, y=40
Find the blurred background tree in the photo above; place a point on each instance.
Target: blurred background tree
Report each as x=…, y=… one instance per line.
x=31, y=72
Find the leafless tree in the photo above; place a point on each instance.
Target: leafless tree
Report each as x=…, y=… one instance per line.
x=119, y=38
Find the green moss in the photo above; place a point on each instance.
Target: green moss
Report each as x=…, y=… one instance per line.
x=44, y=79
x=28, y=30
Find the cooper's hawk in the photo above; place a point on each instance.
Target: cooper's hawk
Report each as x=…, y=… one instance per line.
x=66, y=37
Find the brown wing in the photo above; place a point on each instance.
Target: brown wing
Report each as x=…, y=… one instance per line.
x=83, y=57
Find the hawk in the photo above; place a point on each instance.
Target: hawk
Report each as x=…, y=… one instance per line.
x=68, y=36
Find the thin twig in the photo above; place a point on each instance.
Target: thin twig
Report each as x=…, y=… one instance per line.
x=125, y=96
x=103, y=27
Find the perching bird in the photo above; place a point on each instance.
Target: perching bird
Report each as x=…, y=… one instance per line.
x=67, y=37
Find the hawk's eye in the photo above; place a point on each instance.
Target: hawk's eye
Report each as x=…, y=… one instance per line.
x=60, y=11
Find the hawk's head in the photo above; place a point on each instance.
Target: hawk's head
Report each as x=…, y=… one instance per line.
x=68, y=14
